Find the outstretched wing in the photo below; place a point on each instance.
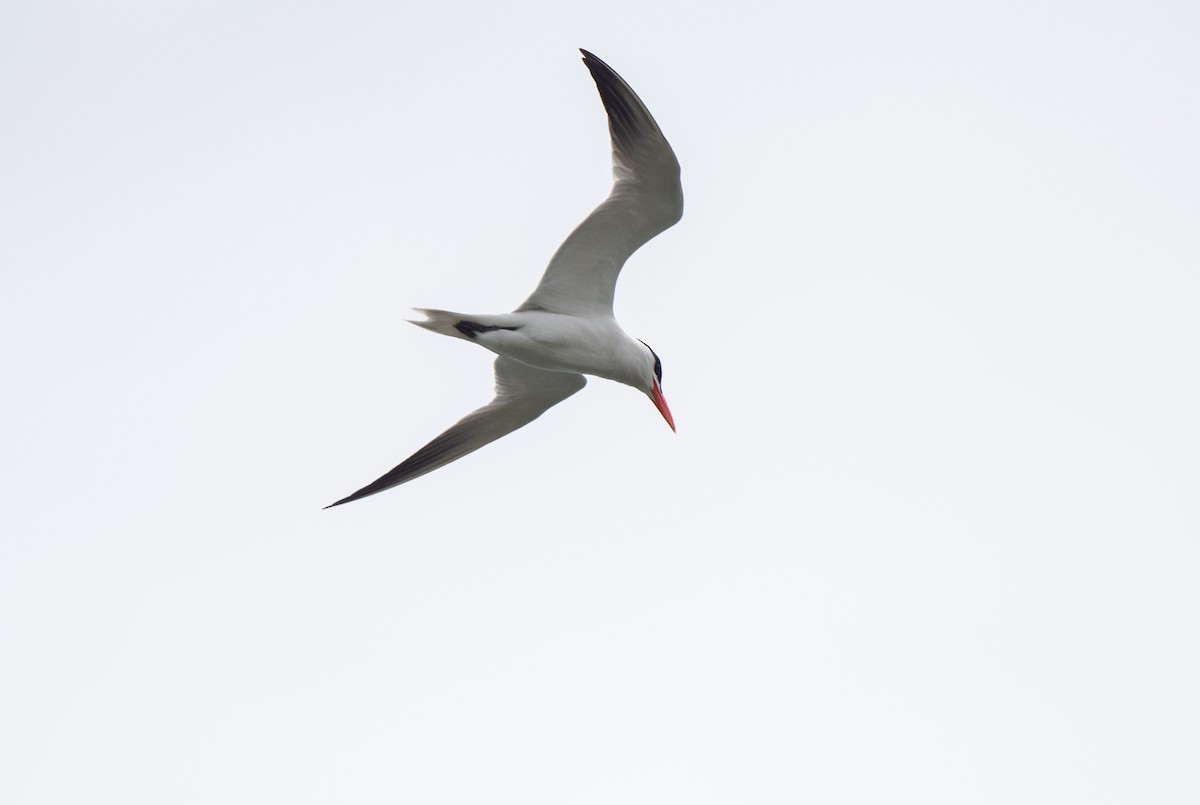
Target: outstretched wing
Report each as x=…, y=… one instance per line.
x=523, y=393
x=646, y=199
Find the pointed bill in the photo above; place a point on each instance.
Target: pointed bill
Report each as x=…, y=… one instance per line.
x=660, y=402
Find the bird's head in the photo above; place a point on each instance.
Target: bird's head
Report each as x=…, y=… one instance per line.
x=652, y=384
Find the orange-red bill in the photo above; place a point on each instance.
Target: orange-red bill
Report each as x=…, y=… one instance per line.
x=660, y=403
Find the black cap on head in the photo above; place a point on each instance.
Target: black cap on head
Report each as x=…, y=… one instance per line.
x=657, y=362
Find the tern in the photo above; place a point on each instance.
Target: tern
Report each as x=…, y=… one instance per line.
x=566, y=328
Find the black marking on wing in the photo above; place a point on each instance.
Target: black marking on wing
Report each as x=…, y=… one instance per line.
x=471, y=329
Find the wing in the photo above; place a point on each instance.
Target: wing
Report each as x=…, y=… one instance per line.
x=646, y=199
x=523, y=393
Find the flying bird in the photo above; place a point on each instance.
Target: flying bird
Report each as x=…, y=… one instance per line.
x=566, y=328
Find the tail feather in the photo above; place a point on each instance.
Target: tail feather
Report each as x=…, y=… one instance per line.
x=462, y=325
x=439, y=321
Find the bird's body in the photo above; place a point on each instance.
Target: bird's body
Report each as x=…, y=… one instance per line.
x=557, y=342
x=566, y=328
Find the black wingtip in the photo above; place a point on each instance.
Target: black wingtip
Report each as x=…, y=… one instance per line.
x=588, y=56
x=346, y=499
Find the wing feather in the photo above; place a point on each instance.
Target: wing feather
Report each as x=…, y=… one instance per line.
x=646, y=199
x=523, y=393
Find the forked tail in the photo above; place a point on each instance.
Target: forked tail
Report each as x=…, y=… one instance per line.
x=456, y=325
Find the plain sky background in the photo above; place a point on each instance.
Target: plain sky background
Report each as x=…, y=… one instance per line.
x=928, y=532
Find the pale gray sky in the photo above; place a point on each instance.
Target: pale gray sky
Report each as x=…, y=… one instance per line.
x=927, y=533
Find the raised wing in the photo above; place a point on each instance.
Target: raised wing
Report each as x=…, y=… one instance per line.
x=523, y=393
x=646, y=199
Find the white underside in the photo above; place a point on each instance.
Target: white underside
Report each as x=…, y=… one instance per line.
x=557, y=342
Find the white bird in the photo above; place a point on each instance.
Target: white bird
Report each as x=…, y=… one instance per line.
x=566, y=329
